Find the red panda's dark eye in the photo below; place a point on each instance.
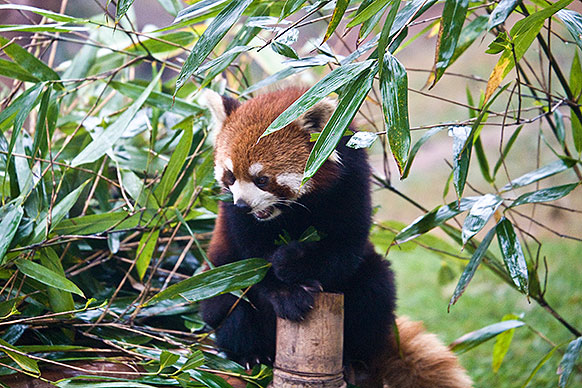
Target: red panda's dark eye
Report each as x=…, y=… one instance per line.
x=228, y=178
x=262, y=181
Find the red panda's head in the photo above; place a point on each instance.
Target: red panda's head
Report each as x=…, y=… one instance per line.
x=265, y=176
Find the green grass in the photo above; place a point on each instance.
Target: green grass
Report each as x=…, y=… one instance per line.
x=485, y=302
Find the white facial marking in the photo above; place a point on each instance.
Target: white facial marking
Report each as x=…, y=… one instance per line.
x=228, y=164
x=290, y=179
x=256, y=198
x=255, y=169
x=218, y=172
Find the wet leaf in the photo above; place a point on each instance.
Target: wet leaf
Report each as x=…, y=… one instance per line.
x=336, y=17
x=290, y=7
x=474, y=338
x=29, y=62
x=568, y=361
x=385, y=34
x=110, y=135
x=348, y=104
x=461, y=156
x=471, y=267
x=47, y=276
x=416, y=147
x=479, y=214
x=512, y=254
x=545, y=195
x=451, y=24
x=539, y=174
x=573, y=22
x=367, y=10
x=560, y=128
x=502, y=343
x=394, y=90
x=434, y=218
x=328, y=84
x=283, y=49
x=122, y=8
x=501, y=12
x=10, y=216
x=219, y=280
x=145, y=251
x=210, y=38
x=57, y=17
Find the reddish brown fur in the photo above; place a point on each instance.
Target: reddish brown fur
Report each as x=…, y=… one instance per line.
x=292, y=143
x=426, y=362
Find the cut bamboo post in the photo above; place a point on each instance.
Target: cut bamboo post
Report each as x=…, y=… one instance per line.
x=309, y=353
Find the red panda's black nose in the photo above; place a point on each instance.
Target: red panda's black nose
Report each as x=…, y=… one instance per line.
x=243, y=206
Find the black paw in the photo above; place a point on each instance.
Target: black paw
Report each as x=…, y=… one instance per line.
x=288, y=262
x=294, y=302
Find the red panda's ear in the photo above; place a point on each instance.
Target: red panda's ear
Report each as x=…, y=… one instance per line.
x=315, y=118
x=220, y=108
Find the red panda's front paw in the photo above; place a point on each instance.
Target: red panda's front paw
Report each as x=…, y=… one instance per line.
x=295, y=301
x=288, y=263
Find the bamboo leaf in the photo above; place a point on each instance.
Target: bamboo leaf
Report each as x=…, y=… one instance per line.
x=29, y=62
x=328, y=84
x=568, y=361
x=12, y=70
x=122, y=8
x=500, y=13
x=210, y=38
x=477, y=337
x=545, y=195
x=145, y=251
x=362, y=140
x=576, y=88
x=47, y=276
x=416, y=148
x=539, y=365
x=471, y=268
x=59, y=300
x=174, y=166
x=290, y=7
x=539, y=174
x=394, y=89
x=27, y=364
x=573, y=22
x=506, y=150
x=349, y=103
x=434, y=218
x=336, y=17
x=167, y=359
x=10, y=216
x=367, y=10
x=106, y=139
x=451, y=24
x=99, y=223
x=57, y=17
x=512, y=254
x=284, y=50
x=219, y=280
x=502, y=343
x=479, y=214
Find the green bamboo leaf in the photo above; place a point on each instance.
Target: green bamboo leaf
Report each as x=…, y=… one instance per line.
x=502, y=343
x=10, y=216
x=512, y=254
x=394, y=89
x=368, y=9
x=12, y=70
x=284, y=50
x=500, y=13
x=47, y=276
x=523, y=34
x=106, y=139
x=336, y=17
x=568, y=361
x=560, y=127
x=18, y=111
x=290, y=7
x=573, y=22
x=452, y=21
x=210, y=38
x=57, y=17
x=462, y=147
x=41, y=28
x=60, y=300
x=194, y=361
x=27, y=364
x=348, y=104
x=539, y=174
x=477, y=337
x=219, y=280
x=386, y=33
x=370, y=24
x=479, y=214
x=576, y=88
x=434, y=218
x=471, y=267
x=167, y=359
x=276, y=77
x=157, y=99
x=506, y=150
x=29, y=62
x=145, y=251
x=208, y=379
x=58, y=212
x=174, y=166
x=539, y=365
x=468, y=35
x=339, y=77
x=122, y=8
x=99, y=223
x=201, y=9
x=545, y=195
x=416, y=148
x=482, y=159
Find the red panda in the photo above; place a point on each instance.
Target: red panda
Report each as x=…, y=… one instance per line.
x=264, y=177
